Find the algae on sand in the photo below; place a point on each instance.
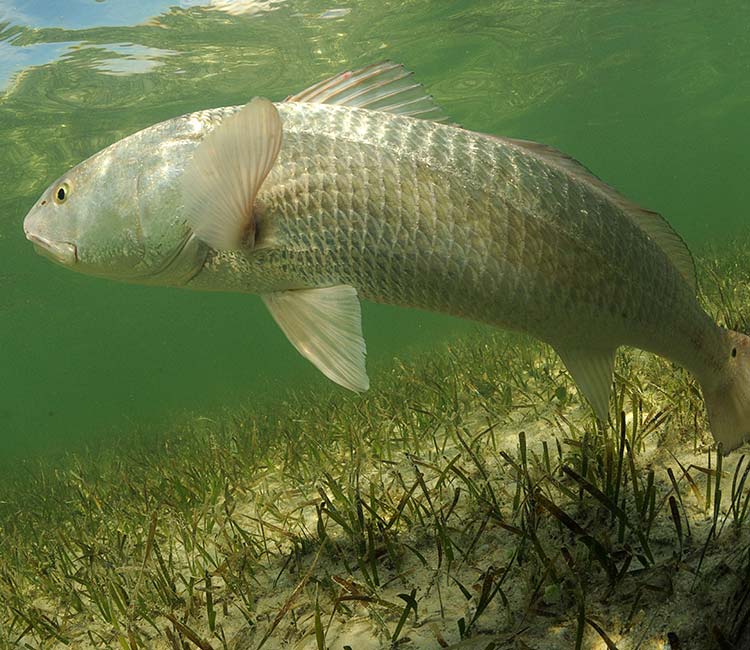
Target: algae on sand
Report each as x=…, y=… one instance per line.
x=469, y=501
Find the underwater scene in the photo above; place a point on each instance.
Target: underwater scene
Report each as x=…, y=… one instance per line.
x=372, y=325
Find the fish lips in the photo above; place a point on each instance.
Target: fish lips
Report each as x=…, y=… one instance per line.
x=62, y=252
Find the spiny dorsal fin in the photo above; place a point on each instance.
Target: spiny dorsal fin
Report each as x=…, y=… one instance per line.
x=652, y=223
x=591, y=370
x=385, y=86
x=226, y=172
x=325, y=325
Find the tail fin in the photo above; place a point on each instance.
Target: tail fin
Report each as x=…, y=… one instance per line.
x=728, y=399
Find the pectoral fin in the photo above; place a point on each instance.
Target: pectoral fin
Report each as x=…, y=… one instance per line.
x=592, y=372
x=325, y=325
x=227, y=169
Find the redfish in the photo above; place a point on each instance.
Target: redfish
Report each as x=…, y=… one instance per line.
x=356, y=189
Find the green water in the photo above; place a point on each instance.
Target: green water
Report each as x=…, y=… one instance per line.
x=653, y=97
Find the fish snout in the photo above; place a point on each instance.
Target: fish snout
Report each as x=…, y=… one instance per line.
x=61, y=252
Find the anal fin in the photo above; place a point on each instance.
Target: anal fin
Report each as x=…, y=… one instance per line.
x=591, y=369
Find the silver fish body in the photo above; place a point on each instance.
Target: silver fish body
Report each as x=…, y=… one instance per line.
x=393, y=209
x=421, y=214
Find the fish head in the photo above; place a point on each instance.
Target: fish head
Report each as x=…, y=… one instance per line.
x=118, y=213
x=726, y=391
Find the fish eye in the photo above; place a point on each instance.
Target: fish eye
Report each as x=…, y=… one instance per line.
x=734, y=352
x=62, y=192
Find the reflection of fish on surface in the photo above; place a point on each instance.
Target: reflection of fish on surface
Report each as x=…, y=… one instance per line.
x=353, y=188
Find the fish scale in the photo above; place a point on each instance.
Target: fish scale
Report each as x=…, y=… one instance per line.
x=512, y=250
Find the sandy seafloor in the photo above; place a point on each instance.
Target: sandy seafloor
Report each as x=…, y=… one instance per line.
x=678, y=601
x=692, y=589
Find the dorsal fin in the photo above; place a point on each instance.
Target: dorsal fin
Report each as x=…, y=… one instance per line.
x=652, y=223
x=385, y=86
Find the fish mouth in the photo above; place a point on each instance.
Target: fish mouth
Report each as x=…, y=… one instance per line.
x=62, y=252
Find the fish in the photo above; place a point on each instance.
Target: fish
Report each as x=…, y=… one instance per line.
x=360, y=188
